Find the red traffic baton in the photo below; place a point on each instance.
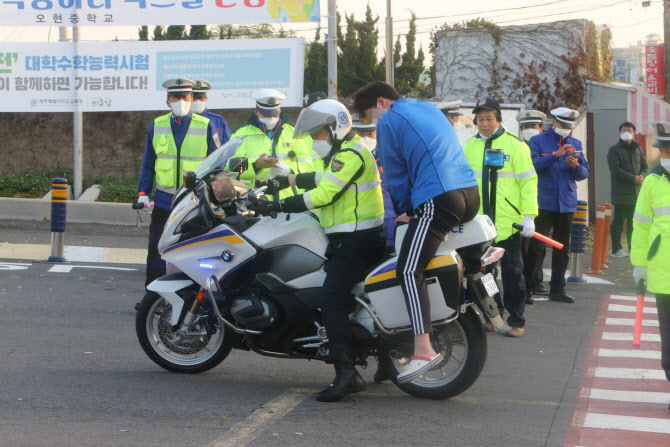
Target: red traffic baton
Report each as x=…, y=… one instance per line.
x=541, y=237
x=637, y=334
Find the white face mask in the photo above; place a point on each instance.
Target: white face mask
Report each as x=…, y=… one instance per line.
x=529, y=133
x=198, y=106
x=563, y=132
x=627, y=136
x=180, y=108
x=270, y=122
x=321, y=147
x=458, y=127
x=665, y=162
x=370, y=142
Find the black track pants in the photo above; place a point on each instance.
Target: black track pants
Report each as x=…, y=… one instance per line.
x=431, y=224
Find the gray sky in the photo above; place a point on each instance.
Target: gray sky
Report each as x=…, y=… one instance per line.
x=629, y=21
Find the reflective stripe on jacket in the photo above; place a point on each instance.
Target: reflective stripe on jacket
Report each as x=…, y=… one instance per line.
x=348, y=196
x=293, y=153
x=652, y=221
x=517, y=181
x=192, y=152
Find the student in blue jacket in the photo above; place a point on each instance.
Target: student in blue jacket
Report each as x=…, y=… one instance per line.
x=432, y=182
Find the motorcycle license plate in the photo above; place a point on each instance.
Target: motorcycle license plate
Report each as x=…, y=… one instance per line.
x=490, y=284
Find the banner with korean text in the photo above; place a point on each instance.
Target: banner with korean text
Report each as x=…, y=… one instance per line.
x=128, y=76
x=155, y=12
x=656, y=70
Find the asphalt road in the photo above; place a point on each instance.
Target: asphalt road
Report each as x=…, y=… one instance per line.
x=73, y=373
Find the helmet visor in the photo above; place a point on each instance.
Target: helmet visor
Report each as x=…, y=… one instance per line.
x=311, y=121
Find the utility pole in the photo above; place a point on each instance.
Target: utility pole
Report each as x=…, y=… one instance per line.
x=389, y=44
x=332, y=49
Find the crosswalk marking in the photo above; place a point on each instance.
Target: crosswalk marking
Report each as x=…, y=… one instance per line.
x=629, y=322
x=630, y=373
x=630, y=353
x=647, y=299
x=649, y=397
x=629, y=337
x=617, y=422
x=624, y=308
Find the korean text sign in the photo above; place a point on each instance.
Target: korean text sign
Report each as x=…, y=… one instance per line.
x=128, y=76
x=656, y=70
x=155, y=12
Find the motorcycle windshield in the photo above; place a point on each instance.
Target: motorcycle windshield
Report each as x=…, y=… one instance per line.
x=218, y=158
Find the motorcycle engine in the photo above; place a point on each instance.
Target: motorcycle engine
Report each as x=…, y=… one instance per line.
x=254, y=311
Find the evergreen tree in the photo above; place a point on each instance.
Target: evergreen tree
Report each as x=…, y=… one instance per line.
x=175, y=32
x=199, y=32
x=144, y=33
x=158, y=33
x=411, y=67
x=264, y=31
x=316, y=65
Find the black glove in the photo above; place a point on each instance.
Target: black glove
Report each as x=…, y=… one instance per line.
x=277, y=184
x=267, y=208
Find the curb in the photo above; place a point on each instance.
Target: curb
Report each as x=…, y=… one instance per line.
x=77, y=211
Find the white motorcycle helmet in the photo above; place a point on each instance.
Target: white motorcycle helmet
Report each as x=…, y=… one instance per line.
x=325, y=113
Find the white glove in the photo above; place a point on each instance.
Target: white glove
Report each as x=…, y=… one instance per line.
x=528, y=224
x=639, y=273
x=280, y=169
x=145, y=201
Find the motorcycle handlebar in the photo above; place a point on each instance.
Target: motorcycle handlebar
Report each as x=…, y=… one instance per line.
x=140, y=205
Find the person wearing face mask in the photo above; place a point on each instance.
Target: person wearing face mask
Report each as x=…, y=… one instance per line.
x=650, y=252
x=200, y=89
x=452, y=110
x=515, y=202
x=269, y=140
x=628, y=167
x=176, y=143
x=431, y=181
x=530, y=124
x=317, y=161
x=560, y=164
x=348, y=199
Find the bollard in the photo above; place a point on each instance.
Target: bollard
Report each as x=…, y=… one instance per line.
x=606, y=231
x=58, y=214
x=578, y=244
x=597, y=242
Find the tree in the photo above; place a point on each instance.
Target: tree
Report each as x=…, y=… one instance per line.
x=199, y=32
x=411, y=67
x=158, y=33
x=175, y=32
x=144, y=33
x=264, y=31
x=316, y=65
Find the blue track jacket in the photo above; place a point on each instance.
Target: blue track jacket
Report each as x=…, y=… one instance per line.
x=421, y=154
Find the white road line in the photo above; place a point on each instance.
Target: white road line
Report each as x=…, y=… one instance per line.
x=629, y=322
x=629, y=353
x=629, y=337
x=616, y=422
x=647, y=397
x=630, y=373
x=65, y=268
x=74, y=253
x=631, y=309
x=647, y=299
x=251, y=427
x=589, y=279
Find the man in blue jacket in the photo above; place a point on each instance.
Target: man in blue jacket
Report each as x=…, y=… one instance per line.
x=559, y=163
x=222, y=131
x=431, y=180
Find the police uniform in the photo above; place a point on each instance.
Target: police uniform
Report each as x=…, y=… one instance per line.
x=450, y=108
x=174, y=145
x=277, y=142
x=526, y=118
x=557, y=200
x=516, y=197
x=222, y=131
x=651, y=241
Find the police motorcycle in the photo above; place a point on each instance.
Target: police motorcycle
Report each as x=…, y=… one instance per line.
x=254, y=282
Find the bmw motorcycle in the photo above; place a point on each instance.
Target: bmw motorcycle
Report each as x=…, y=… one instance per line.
x=254, y=282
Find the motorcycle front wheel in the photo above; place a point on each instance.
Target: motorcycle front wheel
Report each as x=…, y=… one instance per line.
x=191, y=353
x=463, y=347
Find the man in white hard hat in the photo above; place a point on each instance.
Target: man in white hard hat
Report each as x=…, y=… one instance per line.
x=269, y=140
x=199, y=106
x=530, y=123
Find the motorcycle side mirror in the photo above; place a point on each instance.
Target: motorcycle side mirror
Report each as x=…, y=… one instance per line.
x=190, y=180
x=239, y=164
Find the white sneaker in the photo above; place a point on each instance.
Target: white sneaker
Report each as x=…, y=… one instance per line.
x=417, y=366
x=620, y=254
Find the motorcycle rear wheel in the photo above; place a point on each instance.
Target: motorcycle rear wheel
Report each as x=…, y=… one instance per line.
x=463, y=346
x=198, y=354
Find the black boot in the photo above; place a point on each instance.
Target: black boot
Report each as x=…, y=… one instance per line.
x=347, y=380
x=529, y=297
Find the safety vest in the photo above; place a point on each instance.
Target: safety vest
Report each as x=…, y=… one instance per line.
x=517, y=181
x=192, y=152
x=348, y=196
x=651, y=231
x=292, y=152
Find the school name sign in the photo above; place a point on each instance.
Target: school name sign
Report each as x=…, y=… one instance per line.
x=155, y=12
x=128, y=76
